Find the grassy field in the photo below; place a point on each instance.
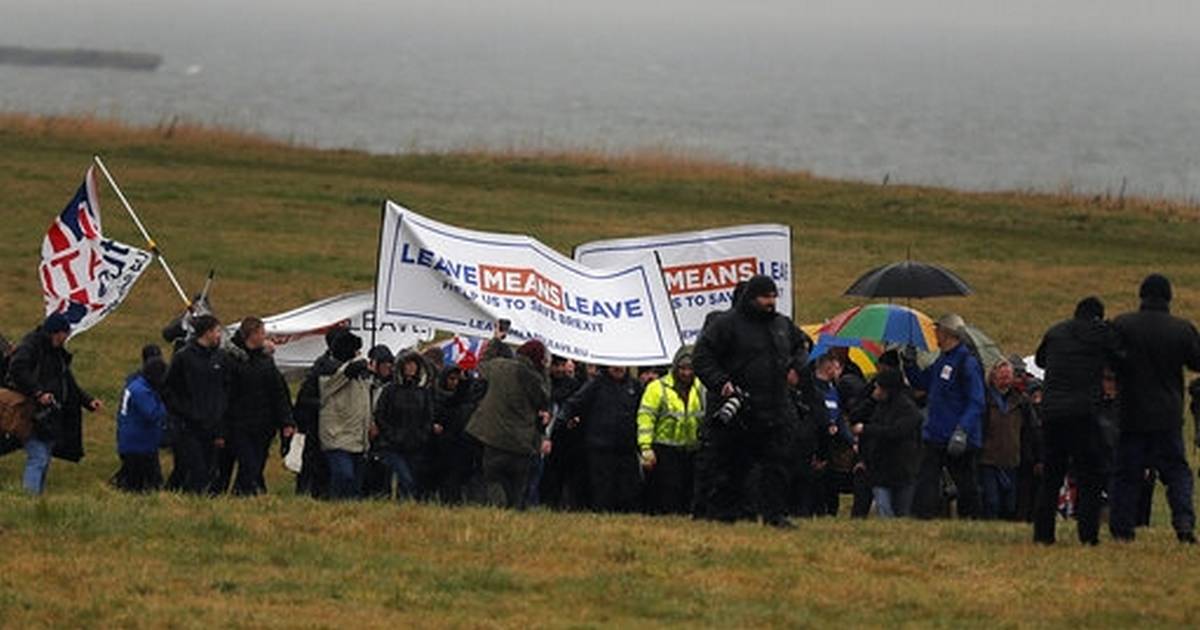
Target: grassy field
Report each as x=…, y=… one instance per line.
x=284, y=225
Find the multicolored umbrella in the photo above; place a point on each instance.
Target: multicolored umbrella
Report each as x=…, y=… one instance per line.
x=885, y=323
x=863, y=352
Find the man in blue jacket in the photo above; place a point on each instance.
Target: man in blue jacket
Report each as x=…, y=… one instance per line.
x=140, y=423
x=955, y=405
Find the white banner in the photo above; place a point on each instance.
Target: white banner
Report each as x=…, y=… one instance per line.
x=84, y=275
x=702, y=268
x=299, y=334
x=462, y=281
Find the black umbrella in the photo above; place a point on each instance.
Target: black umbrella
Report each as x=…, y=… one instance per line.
x=909, y=279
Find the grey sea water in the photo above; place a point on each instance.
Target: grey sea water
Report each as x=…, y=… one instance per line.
x=972, y=94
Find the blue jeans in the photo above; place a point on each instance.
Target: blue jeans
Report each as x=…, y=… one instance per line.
x=37, y=462
x=999, y=489
x=345, y=474
x=893, y=502
x=406, y=483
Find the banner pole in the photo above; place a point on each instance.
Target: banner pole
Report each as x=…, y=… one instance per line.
x=142, y=228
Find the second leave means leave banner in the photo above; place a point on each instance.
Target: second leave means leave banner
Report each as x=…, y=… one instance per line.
x=462, y=281
x=702, y=268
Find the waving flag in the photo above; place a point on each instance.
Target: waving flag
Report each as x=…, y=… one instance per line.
x=85, y=275
x=463, y=352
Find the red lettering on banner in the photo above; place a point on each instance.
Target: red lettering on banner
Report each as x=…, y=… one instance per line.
x=64, y=263
x=709, y=276
x=521, y=282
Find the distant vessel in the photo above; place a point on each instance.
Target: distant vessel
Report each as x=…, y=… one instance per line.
x=79, y=58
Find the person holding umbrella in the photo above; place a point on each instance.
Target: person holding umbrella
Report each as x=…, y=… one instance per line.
x=953, y=433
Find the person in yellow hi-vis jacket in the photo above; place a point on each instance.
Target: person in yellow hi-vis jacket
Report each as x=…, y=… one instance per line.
x=671, y=410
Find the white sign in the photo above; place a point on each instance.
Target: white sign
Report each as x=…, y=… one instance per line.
x=702, y=268
x=84, y=275
x=462, y=281
x=299, y=334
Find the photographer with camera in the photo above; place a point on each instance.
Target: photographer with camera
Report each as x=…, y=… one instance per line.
x=743, y=357
x=40, y=369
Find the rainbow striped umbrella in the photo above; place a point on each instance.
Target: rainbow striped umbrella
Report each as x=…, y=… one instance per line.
x=884, y=323
x=863, y=352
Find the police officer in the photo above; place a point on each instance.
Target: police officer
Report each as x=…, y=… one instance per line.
x=743, y=357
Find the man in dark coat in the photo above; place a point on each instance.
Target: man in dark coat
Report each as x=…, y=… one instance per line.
x=259, y=407
x=1074, y=353
x=564, y=481
x=891, y=445
x=40, y=369
x=607, y=409
x=458, y=454
x=197, y=397
x=404, y=419
x=1158, y=346
x=745, y=354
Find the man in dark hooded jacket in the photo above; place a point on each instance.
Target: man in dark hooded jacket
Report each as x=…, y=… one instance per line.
x=607, y=408
x=404, y=419
x=40, y=369
x=1074, y=353
x=457, y=453
x=1158, y=346
x=745, y=354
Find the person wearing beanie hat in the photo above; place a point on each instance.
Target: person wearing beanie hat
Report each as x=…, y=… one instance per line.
x=140, y=424
x=40, y=369
x=507, y=419
x=313, y=479
x=1074, y=353
x=743, y=357
x=890, y=444
x=1158, y=346
x=344, y=418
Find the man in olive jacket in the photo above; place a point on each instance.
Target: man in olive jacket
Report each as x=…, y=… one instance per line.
x=1158, y=347
x=507, y=420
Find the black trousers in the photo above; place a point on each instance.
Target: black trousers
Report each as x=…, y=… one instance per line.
x=669, y=485
x=613, y=477
x=506, y=476
x=1076, y=445
x=743, y=471
x=140, y=472
x=313, y=479
x=195, y=461
x=1164, y=452
x=963, y=470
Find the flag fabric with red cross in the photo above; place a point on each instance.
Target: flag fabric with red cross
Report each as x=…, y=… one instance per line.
x=85, y=275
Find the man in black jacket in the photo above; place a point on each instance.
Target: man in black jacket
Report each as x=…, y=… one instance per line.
x=606, y=408
x=1158, y=347
x=197, y=397
x=40, y=368
x=1074, y=353
x=891, y=444
x=259, y=406
x=745, y=354
x=404, y=419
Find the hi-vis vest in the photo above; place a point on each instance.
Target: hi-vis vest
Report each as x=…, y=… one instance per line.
x=664, y=418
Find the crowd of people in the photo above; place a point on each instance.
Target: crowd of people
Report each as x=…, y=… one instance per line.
x=750, y=424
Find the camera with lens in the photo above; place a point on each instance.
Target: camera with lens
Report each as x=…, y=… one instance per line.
x=43, y=420
x=732, y=406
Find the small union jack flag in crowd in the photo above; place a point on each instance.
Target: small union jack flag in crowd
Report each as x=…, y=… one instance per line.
x=463, y=352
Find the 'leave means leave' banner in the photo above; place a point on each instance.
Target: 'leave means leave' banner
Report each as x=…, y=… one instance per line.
x=702, y=268
x=462, y=281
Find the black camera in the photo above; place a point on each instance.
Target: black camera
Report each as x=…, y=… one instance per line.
x=732, y=406
x=44, y=420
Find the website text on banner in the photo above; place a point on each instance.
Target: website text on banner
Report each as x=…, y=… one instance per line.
x=462, y=281
x=299, y=334
x=702, y=268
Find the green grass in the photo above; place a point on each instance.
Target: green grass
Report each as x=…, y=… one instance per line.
x=284, y=225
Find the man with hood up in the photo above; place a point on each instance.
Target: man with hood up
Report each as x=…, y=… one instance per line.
x=744, y=355
x=606, y=407
x=1158, y=346
x=404, y=418
x=669, y=417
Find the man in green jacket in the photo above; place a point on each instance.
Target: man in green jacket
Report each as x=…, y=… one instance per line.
x=507, y=421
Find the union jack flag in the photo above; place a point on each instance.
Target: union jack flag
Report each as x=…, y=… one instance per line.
x=85, y=275
x=462, y=351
